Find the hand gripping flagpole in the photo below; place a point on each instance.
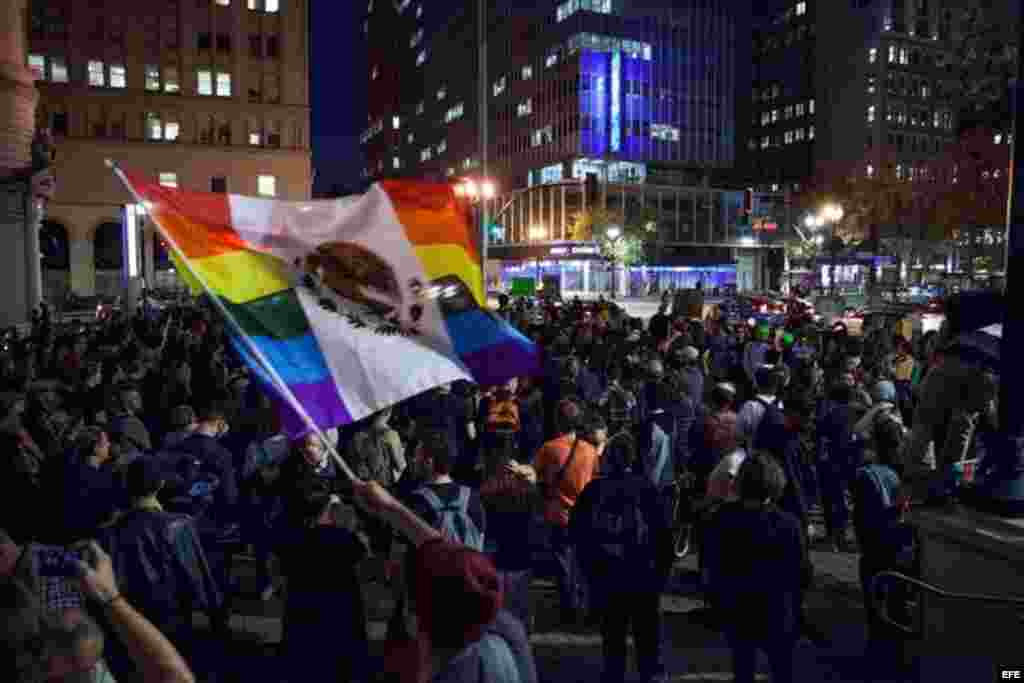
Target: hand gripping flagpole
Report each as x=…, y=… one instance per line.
x=265, y=364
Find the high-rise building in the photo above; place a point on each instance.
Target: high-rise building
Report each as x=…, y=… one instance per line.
x=640, y=95
x=206, y=95
x=840, y=84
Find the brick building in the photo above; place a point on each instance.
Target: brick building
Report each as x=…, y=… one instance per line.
x=207, y=95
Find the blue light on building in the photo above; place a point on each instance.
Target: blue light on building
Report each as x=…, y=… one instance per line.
x=616, y=95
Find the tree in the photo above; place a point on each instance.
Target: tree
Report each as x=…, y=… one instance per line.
x=970, y=190
x=629, y=248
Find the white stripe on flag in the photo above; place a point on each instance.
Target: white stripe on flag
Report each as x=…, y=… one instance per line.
x=374, y=370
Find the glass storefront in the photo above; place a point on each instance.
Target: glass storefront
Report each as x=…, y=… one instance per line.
x=595, y=277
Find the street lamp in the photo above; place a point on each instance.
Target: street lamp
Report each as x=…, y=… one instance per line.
x=479, y=193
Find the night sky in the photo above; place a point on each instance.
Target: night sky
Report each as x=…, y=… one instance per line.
x=338, y=75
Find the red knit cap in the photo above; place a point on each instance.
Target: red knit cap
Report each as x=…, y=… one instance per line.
x=457, y=592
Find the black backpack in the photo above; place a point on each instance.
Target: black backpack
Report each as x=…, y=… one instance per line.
x=774, y=420
x=621, y=531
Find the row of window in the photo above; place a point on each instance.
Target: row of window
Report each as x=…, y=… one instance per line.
x=266, y=185
x=269, y=6
x=914, y=144
x=793, y=35
x=157, y=79
x=902, y=115
x=788, y=137
x=790, y=111
x=913, y=55
x=259, y=45
x=571, y=7
x=212, y=129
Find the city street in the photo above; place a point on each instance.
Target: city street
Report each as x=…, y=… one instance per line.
x=694, y=651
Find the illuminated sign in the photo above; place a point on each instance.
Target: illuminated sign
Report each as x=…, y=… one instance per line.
x=573, y=251
x=616, y=113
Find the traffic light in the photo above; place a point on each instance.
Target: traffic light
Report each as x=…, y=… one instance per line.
x=591, y=190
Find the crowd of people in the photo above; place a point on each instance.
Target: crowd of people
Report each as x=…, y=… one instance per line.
x=140, y=462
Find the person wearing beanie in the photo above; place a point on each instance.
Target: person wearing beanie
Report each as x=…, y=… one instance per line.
x=884, y=408
x=477, y=643
x=150, y=547
x=623, y=537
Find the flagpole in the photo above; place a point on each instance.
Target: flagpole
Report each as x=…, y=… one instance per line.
x=268, y=368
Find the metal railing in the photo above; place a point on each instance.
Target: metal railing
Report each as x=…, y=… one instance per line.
x=881, y=603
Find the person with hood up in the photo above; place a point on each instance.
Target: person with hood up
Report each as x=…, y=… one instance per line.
x=623, y=538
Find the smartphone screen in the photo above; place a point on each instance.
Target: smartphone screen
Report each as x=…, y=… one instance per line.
x=59, y=562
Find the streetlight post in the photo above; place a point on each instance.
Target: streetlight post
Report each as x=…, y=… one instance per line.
x=614, y=235
x=538, y=233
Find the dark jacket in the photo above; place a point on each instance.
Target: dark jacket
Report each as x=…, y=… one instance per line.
x=214, y=459
x=755, y=558
x=646, y=566
x=160, y=566
x=785, y=447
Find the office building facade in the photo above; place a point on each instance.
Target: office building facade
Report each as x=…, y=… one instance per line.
x=841, y=86
x=644, y=98
x=205, y=96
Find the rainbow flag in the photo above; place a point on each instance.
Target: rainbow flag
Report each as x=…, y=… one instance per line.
x=355, y=304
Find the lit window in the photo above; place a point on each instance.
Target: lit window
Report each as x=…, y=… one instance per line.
x=411, y=138
x=442, y=92
x=152, y=77
x=419, y=11
x=224, y=3
x=892, y=54
x=765, y=142
x=118, y=76
x=799, y=133
x=551, y=60
x=872, y=55
x=799, y=109
x=525, y=108
x=801, y=9
x=998, y=139
x=775, y=115
x=442, y=147
x=154, y=126
x=169, y=180
x=374, y=72
x=660, y=131
x=37, y=63
x=253, y=4
x=97, y=74
x=171, y=79
x=527, y=72
x=871, y=171
x=223, y=84
x=255, y=138
x=499, y=86
x=396, y=162
x=271, y=6
x=266, y=186
x=787, y=137
x=171, y=131
x=904, y=57
x=871, y=113
x=426, y=153
x=421, y=57
x=204, y=82
x=810, y=132
x=899, y=171
x=453, y=113
x=810, y=107
x=58, y=70
x=416, y=39
x=396, y=122
x=788, y=112
x=420, y=106
x=403, y=5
